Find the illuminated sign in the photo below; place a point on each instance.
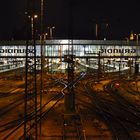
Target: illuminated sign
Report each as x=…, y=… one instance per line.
x=56, y=50
x=117, y=50
x=16, y=50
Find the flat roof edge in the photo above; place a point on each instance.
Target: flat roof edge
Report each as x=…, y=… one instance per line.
x=76, y=42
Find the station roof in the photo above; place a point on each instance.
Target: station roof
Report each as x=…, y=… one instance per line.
x=75, y=42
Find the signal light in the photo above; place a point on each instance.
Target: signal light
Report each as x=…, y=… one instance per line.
x=117, y=84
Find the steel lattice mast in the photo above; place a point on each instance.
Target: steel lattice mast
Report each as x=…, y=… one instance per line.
x=42, y=39
x=69, y=58
x=30, y=113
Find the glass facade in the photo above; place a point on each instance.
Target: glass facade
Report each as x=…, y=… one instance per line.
x=62, y=49
x=87, y=51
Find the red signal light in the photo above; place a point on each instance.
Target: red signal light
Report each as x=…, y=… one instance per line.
x=117, y=84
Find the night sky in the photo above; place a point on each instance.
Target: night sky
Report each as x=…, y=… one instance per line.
x=115, y=19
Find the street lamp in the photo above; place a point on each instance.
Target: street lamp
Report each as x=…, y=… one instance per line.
x=137, y=42
x=32, y=23
x=51, y=31
x=137, y=38
x=43, y=36
x=137, y=48
x=131, y=35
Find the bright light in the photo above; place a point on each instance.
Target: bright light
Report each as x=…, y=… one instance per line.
x=132, y=36
x=53, y=27
x=117, y=84
x=35, y=16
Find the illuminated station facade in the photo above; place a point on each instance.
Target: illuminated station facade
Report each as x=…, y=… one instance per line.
x=111, y=55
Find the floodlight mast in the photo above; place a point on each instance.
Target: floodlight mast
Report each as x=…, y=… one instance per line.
x=30, y=102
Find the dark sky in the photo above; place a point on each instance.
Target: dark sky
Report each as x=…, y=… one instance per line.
x=78, y=20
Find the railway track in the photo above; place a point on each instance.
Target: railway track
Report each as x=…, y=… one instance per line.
x=19, y=128
x=117, y=127
x=72, y=128
x=108, y=110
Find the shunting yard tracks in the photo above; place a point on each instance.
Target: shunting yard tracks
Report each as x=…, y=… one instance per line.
x=72, y=127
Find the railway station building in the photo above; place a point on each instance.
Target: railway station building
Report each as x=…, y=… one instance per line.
x=110, y=55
